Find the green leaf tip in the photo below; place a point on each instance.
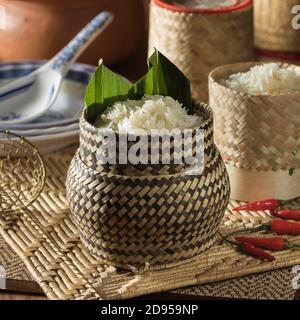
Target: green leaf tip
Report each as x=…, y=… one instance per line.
x=291, y=171
x=106, y=87
x=103, y=90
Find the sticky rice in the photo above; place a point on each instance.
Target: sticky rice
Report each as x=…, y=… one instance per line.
x=151, y=112
x=266, y=79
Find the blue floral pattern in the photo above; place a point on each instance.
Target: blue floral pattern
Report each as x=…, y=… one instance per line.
x=68, y=53
x=49, y=116
x=79, y=74
x=12, y=116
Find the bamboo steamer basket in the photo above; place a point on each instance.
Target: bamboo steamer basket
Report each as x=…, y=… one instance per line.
x=258, y=137
x=198, y=41
x=273, y=25
x=142, y=216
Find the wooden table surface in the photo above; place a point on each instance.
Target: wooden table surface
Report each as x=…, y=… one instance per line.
x=5, y=295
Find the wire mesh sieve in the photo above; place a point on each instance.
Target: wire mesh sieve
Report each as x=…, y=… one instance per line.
x=22, y=172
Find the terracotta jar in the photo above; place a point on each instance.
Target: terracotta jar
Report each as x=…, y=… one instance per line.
x=37, y=29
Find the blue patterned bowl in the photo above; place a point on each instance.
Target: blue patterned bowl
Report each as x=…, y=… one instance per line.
x=58, y=127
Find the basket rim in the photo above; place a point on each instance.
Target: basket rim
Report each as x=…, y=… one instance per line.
x=278, y=54
x=244, y=4
x=206, y=111
x=214, y=76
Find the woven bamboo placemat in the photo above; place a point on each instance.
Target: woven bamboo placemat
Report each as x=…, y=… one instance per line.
x=46, y=240
x=267, y=285
x=275, y=285
x=17, y=277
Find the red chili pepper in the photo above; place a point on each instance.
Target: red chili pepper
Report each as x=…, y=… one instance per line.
x=275, y=226
x=287, y=214
x=251, y=249
x=284, y=227
x=256, y=252
x=278, y=226
x=274, y=243
x=271, y=243
x=269, y=204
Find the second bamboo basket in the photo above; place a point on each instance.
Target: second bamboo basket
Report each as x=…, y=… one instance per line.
x=258, y=137
x=198, y=41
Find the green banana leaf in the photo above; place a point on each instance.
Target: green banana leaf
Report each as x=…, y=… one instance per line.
x=163, y=78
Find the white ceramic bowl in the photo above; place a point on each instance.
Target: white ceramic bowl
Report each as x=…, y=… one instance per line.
x=59, y=127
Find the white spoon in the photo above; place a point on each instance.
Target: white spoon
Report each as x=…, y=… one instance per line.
x=31, y=96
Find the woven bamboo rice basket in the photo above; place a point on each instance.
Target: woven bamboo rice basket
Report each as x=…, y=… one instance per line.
x=147, y=216
x=198, y=41
x=273, y=25
x=258, y=136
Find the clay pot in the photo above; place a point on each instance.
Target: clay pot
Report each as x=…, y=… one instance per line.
x=37, y=29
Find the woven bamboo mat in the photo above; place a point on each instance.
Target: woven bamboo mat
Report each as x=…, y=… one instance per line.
x=274, y=285
x=17, y=277
x=46, y=240
x=267, y=285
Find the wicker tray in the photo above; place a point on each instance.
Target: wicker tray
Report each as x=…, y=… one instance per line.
x=47, y=241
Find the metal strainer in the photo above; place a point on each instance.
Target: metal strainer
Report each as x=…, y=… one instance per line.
x=22, y=172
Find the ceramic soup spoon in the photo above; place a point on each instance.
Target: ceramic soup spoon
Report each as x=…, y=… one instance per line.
x=31, y=96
